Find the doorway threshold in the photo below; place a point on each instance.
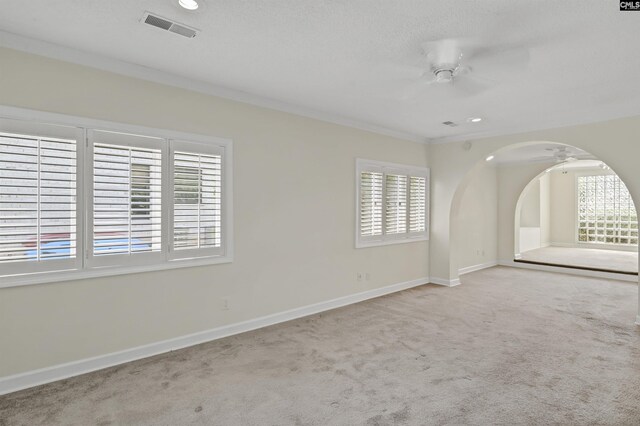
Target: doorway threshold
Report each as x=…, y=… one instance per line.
x=583, y=268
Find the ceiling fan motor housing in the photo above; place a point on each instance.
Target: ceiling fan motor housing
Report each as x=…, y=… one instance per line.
x=444, y=75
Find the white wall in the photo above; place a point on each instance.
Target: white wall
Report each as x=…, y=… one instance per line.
x=534, y=228
x=530, y=206
x=289, y=172
x=545, y=210
x=512, y=181
x=477, y=220
x=563, y=207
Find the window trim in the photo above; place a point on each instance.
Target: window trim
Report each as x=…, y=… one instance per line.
x=83, y=270
x=393, y=168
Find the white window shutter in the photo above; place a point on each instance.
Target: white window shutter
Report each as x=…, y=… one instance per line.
x=396, y=204
x=197, y=196
x=126, y=200
x=125, y=204
x=370, y=203
x=37, y=198
x=417, y=204
x=392, y=203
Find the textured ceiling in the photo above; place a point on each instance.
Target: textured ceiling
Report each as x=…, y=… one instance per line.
x=326, y=55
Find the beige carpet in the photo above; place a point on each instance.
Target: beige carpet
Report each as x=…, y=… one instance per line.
x=624, y=261
x=508, y=346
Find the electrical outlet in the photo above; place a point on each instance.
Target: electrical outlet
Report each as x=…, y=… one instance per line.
x=359, y=276
x=367, y=276
x=225, y=304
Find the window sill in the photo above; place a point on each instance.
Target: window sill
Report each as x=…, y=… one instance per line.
x=79, y=274
x=365, y=244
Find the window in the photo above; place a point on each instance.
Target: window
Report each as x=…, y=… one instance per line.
x=392, y=203
x=197, y=200
x=606, y=213
x=126, y=208
x=38, y=193
x=116, y=202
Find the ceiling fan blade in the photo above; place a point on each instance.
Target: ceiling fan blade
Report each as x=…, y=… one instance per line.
x=390, y=71
x=447, y=51
x=498, y=63
x=470, y=85
x=416, y=89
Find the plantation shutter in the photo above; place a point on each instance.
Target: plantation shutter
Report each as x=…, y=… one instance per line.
x=392, y=203
x=197, y=200
x=396, y=204
x=38, y=192
x=417, y=204
x=370, y=203
x=126, y=197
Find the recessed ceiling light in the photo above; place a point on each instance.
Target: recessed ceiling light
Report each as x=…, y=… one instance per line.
x=188, y=4
x=475, y=119
x=489, y=158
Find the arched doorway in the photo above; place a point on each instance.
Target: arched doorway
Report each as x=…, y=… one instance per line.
x=578, y=214
x=510, y=187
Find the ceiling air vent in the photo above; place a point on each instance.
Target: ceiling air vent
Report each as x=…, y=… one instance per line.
x=168, y=25
x=449, y=123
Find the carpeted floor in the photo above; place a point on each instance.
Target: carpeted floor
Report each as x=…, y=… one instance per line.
x=508, y=346
x=614, y=260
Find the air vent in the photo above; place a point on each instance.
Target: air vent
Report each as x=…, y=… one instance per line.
x=168, y=25
x=449, y=123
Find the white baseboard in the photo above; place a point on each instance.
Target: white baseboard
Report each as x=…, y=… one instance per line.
x=62, y=371
x=444, y=281
x=569, y=271
x=478, y=267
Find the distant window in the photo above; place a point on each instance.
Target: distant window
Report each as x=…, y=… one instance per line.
x=392, y=203
x=606, y=213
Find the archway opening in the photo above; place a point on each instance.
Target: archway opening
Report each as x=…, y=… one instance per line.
x=577, y=214
x=484, y=227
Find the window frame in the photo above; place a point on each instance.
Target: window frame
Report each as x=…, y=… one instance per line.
x=130, y=141
x=364, y=165
x=44, y=130
x=598, y=244
x=28, y=273
x=188, y=146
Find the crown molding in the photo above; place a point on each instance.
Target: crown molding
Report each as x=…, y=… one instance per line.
x=589, y=118
x=104, y=63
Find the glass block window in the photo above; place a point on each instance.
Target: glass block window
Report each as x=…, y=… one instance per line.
x=606, y=213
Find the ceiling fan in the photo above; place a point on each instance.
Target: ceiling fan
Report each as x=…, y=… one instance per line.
x=561, y=154
x=456, y=65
